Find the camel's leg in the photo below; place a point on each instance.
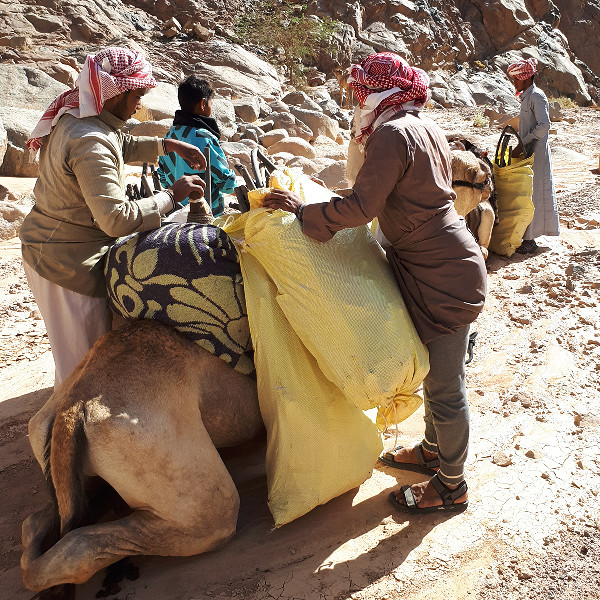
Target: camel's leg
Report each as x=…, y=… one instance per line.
x=85, y=551
x=484, y=232
x=154, y=450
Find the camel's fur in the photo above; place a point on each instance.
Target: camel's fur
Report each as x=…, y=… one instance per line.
x=144, y=412
x=473, y=184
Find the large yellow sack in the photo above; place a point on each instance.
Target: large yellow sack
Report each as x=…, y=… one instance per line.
x=514, y=188
x=332, y=337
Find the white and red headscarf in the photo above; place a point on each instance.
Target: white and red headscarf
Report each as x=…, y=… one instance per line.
x=385, y=83
x=523, y=69
x=110, y=73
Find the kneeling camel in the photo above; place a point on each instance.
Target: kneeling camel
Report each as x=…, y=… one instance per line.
x=139, y=420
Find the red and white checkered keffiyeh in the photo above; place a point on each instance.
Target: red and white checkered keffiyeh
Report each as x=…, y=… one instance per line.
x=110, y=73
x=523, y=69
x=383, y=81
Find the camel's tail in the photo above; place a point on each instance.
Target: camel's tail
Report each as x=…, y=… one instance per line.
x=67, y=447
x=63, y=454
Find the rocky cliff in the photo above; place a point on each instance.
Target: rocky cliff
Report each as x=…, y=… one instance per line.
x=465, y=45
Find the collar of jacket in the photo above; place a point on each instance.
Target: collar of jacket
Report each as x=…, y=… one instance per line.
x=198, y=121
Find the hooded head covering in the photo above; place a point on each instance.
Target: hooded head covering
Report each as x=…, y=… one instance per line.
x=523, y=69
x=386, y=83
x=110, y=73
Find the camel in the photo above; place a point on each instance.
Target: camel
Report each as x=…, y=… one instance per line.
x=139, y=421
x=472, y=181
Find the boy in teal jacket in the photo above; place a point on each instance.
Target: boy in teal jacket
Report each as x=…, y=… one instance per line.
x=194, y=125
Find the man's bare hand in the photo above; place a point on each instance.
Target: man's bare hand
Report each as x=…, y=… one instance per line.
x=188, y=185
x=192, y=155
x=283, y=199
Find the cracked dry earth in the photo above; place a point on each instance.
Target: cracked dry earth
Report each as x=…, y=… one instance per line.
x=532, y=530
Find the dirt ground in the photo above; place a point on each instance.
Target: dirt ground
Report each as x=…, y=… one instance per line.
x=532, y=530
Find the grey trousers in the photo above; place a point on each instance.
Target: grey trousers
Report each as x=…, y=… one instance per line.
x=446, y=407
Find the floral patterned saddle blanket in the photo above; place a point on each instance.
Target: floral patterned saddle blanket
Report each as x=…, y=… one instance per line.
x=187, y=276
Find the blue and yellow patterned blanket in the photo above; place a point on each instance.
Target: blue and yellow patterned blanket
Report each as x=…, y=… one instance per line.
x=187, y=276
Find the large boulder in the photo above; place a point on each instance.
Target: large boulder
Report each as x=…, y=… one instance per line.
x=11, y=217
x=580, y=22
x=27, y=87
x=318, y=122
x=224, y=113
x=308, y=166
x=237, y=153
x=326, y=147
x=19, y=123
x=152, y=128
x=3, y=142
x=247, y=108
x=161, y=103
x=300, y=99
x=334, y=176
x=293, y=145
x=273, y=136
x=294, y=127
x=227, y=65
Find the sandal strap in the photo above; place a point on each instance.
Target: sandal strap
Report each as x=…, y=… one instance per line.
x=409, y=497
x=434, y=463
x=447, y=495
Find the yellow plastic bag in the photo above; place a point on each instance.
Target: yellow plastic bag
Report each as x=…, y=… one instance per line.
x=514, y=188
x=332, y=338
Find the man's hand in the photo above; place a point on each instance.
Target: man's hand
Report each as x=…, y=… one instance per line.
x=283, y=199
x=517, y=151
x=192, y=155
x=188, y=185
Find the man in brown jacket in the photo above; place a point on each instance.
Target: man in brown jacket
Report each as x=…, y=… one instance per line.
x=80, y=202
x=406, y=182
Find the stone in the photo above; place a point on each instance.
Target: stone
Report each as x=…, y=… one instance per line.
x=3, y=142
x=308, y=166
x=247, y=109
x=25, y=86
x=171, y=32
x=326, y=147
x=172, y=22
x=275, y=135
x=11, y=217
x=44, y=23
x=295, y=128
x=202, y=33
x=282, y=157
x=502, y=459
x=161, y=102
x=229, y=65
x=152, y=128
x=278, y=106
x=533, y=453
x=301, y=100
x=318, y=122
x=295, y=146
x=334, y=175
x=237, y=152
x=19, y=122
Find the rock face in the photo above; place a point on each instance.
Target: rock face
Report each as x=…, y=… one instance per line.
x=27, y=87
x=18, y=122
x=228, y=66
x=3, y=142
x=451, y=36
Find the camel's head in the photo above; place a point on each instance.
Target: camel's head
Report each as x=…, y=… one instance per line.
x=471, y=180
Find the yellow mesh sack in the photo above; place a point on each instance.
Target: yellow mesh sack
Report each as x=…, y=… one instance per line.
x=332, y=338
x=514, y=188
